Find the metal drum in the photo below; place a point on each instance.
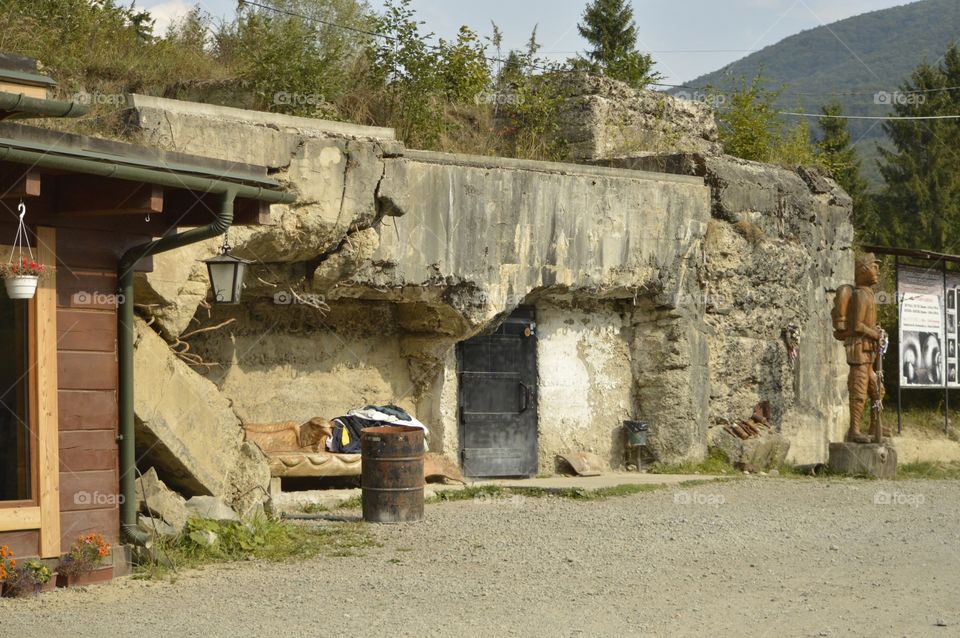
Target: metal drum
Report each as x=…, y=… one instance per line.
x=392, y=474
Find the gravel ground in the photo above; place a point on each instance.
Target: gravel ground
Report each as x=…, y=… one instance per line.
x=756, y=557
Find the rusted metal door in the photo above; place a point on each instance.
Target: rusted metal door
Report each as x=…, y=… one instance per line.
x=498, y=399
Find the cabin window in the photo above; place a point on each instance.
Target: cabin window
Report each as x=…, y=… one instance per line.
x=16, y=441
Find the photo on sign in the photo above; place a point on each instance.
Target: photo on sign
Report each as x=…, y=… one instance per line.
x=921, y=358
x=951, y=299
x=952, y=373
x=951, y=324
x=951, y=348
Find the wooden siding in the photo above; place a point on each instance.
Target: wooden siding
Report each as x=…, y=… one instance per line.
x=87, y=367
x=22, y=543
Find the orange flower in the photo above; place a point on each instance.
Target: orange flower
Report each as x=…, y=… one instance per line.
x=7, y=563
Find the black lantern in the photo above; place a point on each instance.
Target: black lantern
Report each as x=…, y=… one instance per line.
x=226, y=275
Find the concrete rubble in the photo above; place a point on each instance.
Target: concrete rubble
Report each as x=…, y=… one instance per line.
x=158, y=500
x=211, y=508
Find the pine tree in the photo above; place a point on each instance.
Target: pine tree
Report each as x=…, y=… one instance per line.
x=609, y=28
x=920, y=207
x=835, y=152
x=749, y=128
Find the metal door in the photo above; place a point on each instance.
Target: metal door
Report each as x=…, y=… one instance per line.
x=498, y=399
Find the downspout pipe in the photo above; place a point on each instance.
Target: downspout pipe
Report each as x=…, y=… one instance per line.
x=21, y=105
x=125, y=334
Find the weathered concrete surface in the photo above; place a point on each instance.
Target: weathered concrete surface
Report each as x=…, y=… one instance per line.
x=586, y=386
x=671, y=370
x=858, y=459
x=211, y=508
x=292, y=363
x=334, y=168
x=176, y=287
x=777, y=247
x=185, y=426
x=156, y=527
x=605, y=118
x=479, y=237
x=756, y=454
x=153, y=497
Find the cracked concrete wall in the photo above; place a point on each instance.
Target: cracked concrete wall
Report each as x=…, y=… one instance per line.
x=287, y=363
x=334, y=168
x=478, y=234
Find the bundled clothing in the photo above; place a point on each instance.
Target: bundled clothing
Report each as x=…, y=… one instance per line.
x=346, y=429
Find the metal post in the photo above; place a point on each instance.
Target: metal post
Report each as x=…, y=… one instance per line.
x=896, y=263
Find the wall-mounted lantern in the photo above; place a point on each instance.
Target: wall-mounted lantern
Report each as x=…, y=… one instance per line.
x=226, y=275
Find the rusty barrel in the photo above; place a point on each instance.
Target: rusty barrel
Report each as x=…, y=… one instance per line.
x=392, y=474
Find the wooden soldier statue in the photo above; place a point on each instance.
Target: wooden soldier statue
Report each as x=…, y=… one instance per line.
x=855, y=323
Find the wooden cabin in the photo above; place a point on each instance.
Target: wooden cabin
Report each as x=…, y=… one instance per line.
x=87, y=202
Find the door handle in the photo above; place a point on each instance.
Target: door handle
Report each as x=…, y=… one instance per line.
x=524, y=397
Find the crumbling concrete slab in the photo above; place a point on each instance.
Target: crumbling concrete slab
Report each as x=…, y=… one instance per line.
x=156, y=498
x=858, y=459
x=186, y=428
x=767, y=451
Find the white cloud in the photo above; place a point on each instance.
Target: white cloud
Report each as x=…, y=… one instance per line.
x=167, y=12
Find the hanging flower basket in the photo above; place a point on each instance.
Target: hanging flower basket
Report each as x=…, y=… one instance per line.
x=20, y=277
x=23, y=287
x=20, y=274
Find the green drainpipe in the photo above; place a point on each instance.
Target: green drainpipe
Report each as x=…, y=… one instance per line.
x=125, y=331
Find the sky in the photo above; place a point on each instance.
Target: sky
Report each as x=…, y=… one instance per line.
x=687, y=38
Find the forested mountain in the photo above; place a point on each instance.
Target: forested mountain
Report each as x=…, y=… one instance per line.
x=861, y=61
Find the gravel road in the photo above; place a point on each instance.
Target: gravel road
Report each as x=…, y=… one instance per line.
x=755, y=557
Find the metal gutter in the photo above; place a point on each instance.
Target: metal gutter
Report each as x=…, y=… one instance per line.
x=26, y=77
x=161, y=177
x=22, y=106
x=120, y=153
x=126, y=437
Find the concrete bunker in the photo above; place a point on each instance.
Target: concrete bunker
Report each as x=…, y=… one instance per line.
x=660, y=286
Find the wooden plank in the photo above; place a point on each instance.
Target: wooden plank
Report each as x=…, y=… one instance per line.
x=19, y=518
x=24, y=544
x=250, y=212
x=87, y=330
x=48, y=423
x=38, y=92
x=87, y=289
x=87, y=370
x=112, y=225
x=88, y=410
x=80, y=523
x=86, y=195
x=88, y=450
x=97, y=250
x=88, y=490
x=16, y=183
x=33, y=393
x=186, y=208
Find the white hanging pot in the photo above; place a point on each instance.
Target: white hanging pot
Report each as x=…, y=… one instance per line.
x=21, y=287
